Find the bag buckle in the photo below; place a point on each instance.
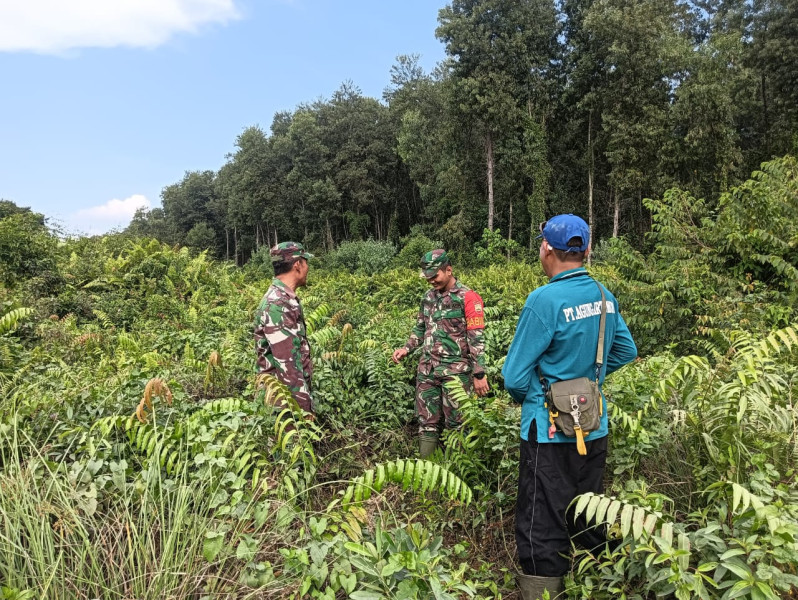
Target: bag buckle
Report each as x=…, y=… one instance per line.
x=575, y=409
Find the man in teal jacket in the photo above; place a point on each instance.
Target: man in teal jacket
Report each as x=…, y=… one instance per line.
x=556, y=338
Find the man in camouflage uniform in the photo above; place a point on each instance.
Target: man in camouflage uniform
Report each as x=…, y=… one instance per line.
x=281, y=343
x=449, y=330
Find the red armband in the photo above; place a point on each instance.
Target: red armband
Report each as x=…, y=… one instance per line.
x=474, y=313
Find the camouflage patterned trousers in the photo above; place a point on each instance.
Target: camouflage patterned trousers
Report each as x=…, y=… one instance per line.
x=433, y=399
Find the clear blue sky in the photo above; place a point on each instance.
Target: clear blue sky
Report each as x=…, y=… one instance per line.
x=103, y=104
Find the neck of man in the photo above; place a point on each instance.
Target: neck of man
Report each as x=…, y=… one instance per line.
x=289, y=280
x=557, y=266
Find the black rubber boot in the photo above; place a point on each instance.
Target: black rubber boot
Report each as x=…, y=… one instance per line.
x=532, y=586
x=427, y=443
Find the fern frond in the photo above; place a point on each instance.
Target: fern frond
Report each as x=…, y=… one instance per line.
x=323, y=337
x=275, y=392
x=10, y=320
x=637, y=523
x=155, y=387
x=213, y=370
x=419, y=476
x=103, y=318
x=337, y=317
x=317, y=316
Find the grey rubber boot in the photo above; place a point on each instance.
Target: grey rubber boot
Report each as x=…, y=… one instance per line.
x=532, y=586
x=427, y=443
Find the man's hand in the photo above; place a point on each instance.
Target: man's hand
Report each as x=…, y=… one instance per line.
x=399, y=354
x=481, y=386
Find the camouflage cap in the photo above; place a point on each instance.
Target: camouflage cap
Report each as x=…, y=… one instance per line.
x=432, y=262
x=288, y=252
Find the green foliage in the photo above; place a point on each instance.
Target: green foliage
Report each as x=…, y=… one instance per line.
x=419, y=476
x=220, y=487
x=757, y=227
x=26, y=247
x=493, y=248
x=414, y=246
x=738, y=546
x=706, y=274
x=201, y=236
x=366, y=257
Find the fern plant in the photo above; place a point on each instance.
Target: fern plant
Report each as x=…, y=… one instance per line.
x=419, y=476
x=738, y=547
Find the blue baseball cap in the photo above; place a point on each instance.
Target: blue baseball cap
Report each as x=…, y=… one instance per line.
x=560, y=230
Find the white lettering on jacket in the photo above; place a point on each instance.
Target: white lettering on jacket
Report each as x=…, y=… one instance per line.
x=590, y=309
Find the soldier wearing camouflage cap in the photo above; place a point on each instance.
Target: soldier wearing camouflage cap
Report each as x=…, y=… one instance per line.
x=449, y=330
x=281, y=342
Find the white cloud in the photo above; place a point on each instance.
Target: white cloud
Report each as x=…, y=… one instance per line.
x=114, y=213
x=55, y=26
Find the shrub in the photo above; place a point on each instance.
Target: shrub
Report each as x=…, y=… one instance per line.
x=26, y=247
x=414, y=246
x=367, y=257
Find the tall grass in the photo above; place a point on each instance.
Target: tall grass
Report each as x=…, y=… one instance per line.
x=62, y=539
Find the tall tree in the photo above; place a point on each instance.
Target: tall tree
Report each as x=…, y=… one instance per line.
x=639, y=45
x=501, y=52
x=775, y=56
x=359, y=134
x=188, y=203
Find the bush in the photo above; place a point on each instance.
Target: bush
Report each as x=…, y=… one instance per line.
x=26, y=247
x=366, y=257
x=201, y=237
x=414, y=246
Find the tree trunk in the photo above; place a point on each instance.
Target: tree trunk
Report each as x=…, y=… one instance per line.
x=510, y=230
x=489, y=150
x=616, y=215
x=590, y=180
x=235, y=242
x=765, y=117
x=226, y=243
x=329, y=236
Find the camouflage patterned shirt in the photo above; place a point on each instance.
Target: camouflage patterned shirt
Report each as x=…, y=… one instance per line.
x=449, y=329
x=281, y=342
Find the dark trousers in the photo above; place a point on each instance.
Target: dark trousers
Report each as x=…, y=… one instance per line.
x=550, y=477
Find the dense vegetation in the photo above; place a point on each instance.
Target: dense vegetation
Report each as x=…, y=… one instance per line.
x=139, y=456
x=542, y=106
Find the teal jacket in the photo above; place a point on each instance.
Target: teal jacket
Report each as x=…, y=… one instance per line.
x=558, y=333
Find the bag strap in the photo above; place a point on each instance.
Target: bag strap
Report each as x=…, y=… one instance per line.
x=602, y=325
x=600, y=346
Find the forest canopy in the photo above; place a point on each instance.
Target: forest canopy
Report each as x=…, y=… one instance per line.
x=584, y=106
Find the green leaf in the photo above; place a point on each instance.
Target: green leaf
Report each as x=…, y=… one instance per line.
x=738, y=568
x=601, y=511
x=766, y=591
x=626, y=519
x=591, y=508
x=732, y=553
x=581, y=503
x=348, y=582
x=214, y=541
x=363, y=565
x=737, y=492
x=365, y=595
x=612, y=511
x=247, y=548
x=637, y=522
x=360, y=549
x=391, y=568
